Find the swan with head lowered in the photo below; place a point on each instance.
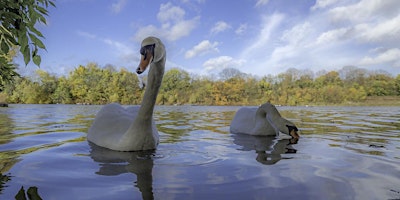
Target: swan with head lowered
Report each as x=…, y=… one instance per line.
x=133, y=128
x=263, y=121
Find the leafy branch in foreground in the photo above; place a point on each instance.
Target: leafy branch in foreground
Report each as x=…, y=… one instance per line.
x=18, y=20
x=17, y=29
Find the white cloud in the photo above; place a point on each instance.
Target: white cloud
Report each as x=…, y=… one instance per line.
x=261, y=3
x=331, y=36
x=173, y=24
x=169, y=12
x=365, y=11
x=222, y=62
x=118, y=6
x=390, y=56
x=220, y=26
x=203, y=47
x=268, y=26
x=86, y=34
x=297, y=34
x=296, y=41
x=121, y=49
x=241, y=29
x=320, y=4
x=383, y=31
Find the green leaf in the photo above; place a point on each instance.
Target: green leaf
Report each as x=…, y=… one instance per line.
x=27, y=54
x=22, y=39
x=36, y=41
x=34, y=53
x=34, y=16
x=4, y=47
x=37, y=59
x=42, y=19
x=34, y=30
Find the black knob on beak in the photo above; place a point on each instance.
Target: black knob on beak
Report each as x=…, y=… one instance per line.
x=138, y=70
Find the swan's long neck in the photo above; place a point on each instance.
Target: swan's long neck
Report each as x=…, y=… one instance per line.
x=150, y=94
x=268, y=117
x=275, y=119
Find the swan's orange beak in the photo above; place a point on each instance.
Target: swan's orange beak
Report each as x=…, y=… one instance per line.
x=144, y=62
x=294, y=134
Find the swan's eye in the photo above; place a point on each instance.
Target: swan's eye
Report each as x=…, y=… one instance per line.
x=148, y=48
x=142, y=51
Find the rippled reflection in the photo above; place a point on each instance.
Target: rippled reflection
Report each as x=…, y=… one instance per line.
x=113, y=163
x=360, y=129
x=269, y=150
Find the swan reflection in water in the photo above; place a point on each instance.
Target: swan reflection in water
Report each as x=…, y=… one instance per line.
x=269, y=149
x=116, y=162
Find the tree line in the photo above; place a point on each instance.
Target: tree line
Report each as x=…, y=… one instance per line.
x=92, y=84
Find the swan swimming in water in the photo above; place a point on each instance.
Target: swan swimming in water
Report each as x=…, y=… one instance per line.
x=263, y=121
x=133, y=129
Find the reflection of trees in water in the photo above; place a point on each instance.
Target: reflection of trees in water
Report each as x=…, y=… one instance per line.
x=7, y=160
x=113, y=163
x=4, y=178
x=177, y=124
x=359, y=129
x=6, y=127
x=269, y=150
x=31, y=125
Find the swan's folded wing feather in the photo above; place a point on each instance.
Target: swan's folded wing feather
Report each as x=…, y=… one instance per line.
x=243, y=121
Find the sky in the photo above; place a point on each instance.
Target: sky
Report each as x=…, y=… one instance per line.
x=258, y=37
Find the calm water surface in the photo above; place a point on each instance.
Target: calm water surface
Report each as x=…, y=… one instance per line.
x=344, y=153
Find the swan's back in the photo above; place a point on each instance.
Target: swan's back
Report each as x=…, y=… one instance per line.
x=244, y=121
x=110, y=124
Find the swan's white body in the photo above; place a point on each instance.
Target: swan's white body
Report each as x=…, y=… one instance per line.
x=262, y=121
x=133, y=128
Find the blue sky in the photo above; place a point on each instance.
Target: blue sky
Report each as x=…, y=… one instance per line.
x=258, y=37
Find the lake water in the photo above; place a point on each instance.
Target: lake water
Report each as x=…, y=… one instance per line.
x=343, y=153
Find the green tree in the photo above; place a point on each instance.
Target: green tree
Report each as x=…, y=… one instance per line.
x=175, y=86
x=124, y=88
x=7, y=69
x=89, y=84
x=48, y=85
x=79, y=86
x=201, y=92
x=397, y=85
x=381, y=84
x=62, y=93
x=332, y=94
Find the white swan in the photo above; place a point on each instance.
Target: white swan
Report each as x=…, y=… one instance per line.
x=133, y=129
x=263, y=121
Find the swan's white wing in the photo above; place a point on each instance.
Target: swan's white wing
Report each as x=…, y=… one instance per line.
x=111, y=122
